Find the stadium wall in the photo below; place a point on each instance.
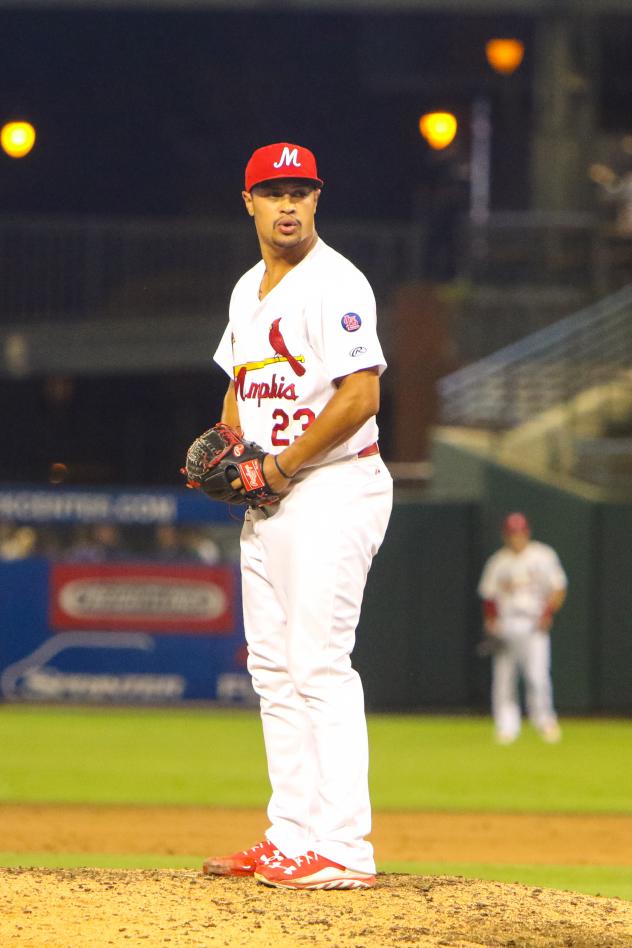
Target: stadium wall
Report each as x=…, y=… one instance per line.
x=416, y=642
x=417, y=633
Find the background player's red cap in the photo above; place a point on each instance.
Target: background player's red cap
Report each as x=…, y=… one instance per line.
x=515, y=523
x=281, y=160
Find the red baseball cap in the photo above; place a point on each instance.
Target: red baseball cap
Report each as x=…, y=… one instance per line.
x=281, y=160
x=515, y=523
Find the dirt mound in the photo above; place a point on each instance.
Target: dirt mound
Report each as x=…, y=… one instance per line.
x=99, y=907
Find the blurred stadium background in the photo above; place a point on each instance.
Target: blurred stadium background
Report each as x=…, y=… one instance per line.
x=477, y=156
x=478, y=166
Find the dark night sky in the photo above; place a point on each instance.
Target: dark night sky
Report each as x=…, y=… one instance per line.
x=157, y=113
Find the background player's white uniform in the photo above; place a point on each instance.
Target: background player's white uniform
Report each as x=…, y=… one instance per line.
x=305, y=560
x=520, y=585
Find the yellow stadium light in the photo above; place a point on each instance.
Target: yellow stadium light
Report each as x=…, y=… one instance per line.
x=504, y=55
x=438, y=128
x=17, y=138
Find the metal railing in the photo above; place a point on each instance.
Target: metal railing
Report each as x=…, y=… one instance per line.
x=85, y=270
x=133, y=286
x=65, y=269
x=549, y=367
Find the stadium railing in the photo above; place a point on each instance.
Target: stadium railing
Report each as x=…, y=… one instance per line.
x=550, y=367
x=55, y=269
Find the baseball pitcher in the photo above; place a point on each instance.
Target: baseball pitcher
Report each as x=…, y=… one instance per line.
x=304, y=362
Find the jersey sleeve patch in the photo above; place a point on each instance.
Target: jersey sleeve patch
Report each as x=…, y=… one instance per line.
x=348, y=325
x=351, y=322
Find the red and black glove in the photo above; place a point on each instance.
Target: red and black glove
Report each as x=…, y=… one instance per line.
x=219, y=456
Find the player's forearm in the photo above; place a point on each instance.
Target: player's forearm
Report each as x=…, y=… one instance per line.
x=553, y=604
x=230, y=409
x=490, y=616
x=356, y=400
x=556, y=599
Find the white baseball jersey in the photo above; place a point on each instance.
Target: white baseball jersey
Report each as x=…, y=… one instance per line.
x=285, y=351
x=521, y=583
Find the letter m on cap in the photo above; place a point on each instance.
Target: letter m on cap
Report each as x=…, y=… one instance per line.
x=287, y=158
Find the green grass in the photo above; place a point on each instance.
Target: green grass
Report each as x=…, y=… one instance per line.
x=211, y=757
x=452, y=764
x=121, y=756
x=610, y=881
x=99, y=861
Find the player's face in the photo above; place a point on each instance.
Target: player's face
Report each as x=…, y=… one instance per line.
x=283, y=212
x=517, y=540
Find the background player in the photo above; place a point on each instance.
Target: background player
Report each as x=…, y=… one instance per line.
x=304, y=360
x=522, y=586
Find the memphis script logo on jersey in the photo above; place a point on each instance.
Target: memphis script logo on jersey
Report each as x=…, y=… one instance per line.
x=351, y=322
x=274, y=388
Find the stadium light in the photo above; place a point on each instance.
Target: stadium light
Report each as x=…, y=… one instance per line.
x=17, y=139
x=504, y=55
x=438, y=128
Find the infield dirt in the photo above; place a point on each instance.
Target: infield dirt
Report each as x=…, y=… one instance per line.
x=101, y=907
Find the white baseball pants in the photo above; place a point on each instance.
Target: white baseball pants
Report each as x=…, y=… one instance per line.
x=304, y=569
x=527, y=653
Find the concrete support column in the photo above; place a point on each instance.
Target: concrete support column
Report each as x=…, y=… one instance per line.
x=565, y=92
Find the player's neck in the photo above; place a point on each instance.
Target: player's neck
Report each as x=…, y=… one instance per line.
x=279, y=261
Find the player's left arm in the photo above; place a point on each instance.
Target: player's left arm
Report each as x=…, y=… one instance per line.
x=230, y=408
x=553, y=604
x=356, y=399
x=558, y=583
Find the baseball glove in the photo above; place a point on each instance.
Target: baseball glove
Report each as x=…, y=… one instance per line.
x=219, y=456
x=490, y=645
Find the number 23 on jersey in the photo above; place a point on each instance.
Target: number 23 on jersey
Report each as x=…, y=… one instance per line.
x=280, y=434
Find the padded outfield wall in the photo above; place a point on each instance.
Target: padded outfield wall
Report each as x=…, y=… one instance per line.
x=140, y=623
x=416, y=643
x=419, y=625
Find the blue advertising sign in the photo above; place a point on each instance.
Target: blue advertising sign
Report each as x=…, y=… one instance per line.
x=107, y=661
x=129, y=506
x=138, y=624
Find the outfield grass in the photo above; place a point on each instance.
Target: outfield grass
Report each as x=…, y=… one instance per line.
x=452, y=763
x=210, y=757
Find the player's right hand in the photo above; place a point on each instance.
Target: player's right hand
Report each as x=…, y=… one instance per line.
x=275, y=479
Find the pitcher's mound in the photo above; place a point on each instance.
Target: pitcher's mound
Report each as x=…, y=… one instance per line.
x=100, y=907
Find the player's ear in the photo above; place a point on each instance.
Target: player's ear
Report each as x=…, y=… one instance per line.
x=247, y=196
x=316, y=197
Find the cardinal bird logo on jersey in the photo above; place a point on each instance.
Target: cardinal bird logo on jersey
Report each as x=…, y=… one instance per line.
x=278, y=344
x=274, y=387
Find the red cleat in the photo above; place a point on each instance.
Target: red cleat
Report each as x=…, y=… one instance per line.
x=244, y=863
x=311, y=871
